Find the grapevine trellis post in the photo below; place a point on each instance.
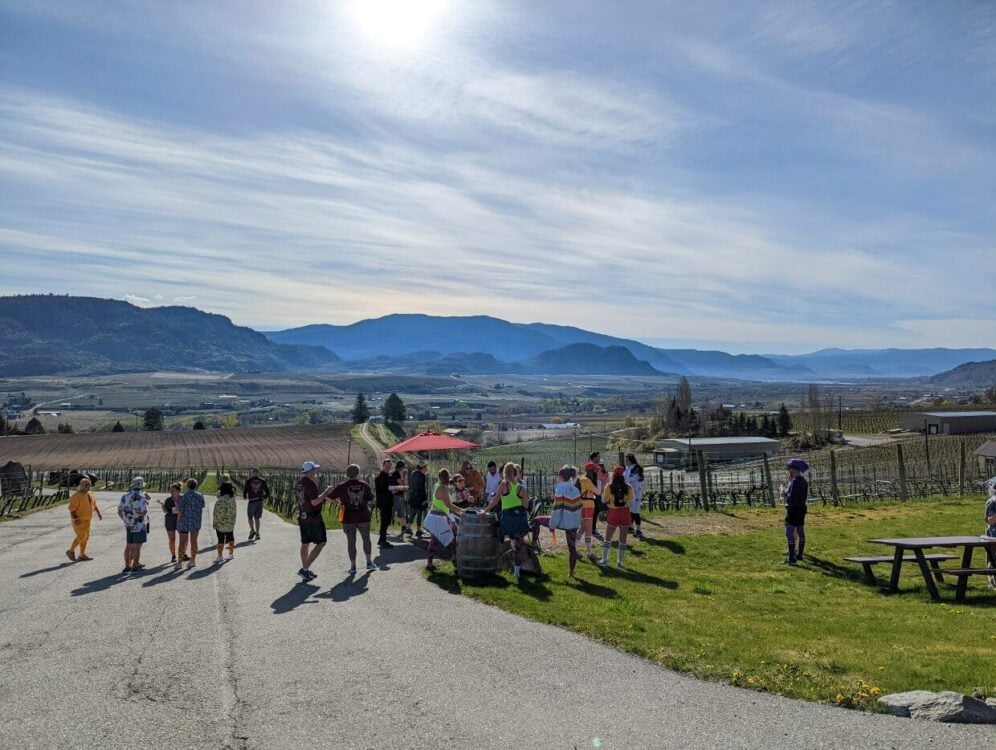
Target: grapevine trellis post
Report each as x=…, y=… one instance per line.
x=834, y=491
x=768, y=484
x=961, y=467
x=703, y=484
x=903, y=494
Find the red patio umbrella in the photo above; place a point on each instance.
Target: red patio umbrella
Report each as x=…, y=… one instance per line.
x=430, y=441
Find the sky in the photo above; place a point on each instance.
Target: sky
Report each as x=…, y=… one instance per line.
x=748, y=176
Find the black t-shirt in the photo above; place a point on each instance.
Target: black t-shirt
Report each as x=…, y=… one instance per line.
x=397, y=479
x=797, y=492
x=256, y=488
x=418, y=495
x=381, y=484
x=307, y=491
x=226, y=489
x=355, y=496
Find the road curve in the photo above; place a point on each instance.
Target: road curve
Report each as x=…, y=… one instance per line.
x=242, y=655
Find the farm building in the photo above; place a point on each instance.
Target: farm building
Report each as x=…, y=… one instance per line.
x=950, y=422
x=715, y=449
x=986, y=454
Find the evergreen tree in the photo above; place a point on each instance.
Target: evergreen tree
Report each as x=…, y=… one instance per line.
x=153, y=420
x=199, y=425
x=118, y=427
x=361, y=412
x=765, y=426
x=34, y=427
x=393, y=409
x=784, y=421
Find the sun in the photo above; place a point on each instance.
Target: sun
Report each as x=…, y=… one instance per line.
x=401, y=24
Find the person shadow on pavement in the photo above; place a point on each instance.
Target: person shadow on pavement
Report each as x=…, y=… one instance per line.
x=347, y=588
x=38, y=572
x=102, y=584
x=294, y=598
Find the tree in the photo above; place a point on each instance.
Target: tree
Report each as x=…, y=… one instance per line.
x=153, y=420
x=199, y=425
x=34, y=427
x=361, y=412
x=784, y=421
x=393, y=409
x=65, y=429
x=118, y=427
x=684, y=395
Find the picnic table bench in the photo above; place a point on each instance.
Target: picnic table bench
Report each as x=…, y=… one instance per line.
x=917, y=545
x=934, y=560
x=963, y=575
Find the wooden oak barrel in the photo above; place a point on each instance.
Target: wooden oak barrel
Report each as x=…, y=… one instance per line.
x=477, y=545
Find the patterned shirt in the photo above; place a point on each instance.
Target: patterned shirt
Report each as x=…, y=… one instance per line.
x=190, y=505
x=224, y=513
x=135, y=510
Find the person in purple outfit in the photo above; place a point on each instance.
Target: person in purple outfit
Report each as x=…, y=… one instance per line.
x=795, y=494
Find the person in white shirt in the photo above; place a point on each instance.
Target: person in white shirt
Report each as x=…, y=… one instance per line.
x=634, y=478
x=492, y=478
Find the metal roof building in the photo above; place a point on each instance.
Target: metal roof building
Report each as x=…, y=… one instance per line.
x=715, y=449
x=949, y=422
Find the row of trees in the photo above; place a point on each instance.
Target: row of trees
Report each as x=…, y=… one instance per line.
x=393, y=410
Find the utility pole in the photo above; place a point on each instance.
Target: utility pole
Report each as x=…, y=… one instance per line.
x=926, y=445
x=349, y=447
x=840, y=413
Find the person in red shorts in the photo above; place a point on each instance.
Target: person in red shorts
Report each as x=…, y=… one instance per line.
x=617, y=496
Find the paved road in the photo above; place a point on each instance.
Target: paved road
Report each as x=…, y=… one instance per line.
x=244, y=656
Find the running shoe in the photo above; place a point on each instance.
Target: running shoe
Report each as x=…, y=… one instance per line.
x=371, y=566
x=352, y=570
x=219, y=559
x=173, y=559
x=126, y=570
x=229, y=558
x=305, y=574
x=70, y=555
x=84, y=558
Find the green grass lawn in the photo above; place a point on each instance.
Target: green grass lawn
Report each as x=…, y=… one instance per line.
x=716, y=601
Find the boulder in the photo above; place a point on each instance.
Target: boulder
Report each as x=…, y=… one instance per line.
x=947, y=706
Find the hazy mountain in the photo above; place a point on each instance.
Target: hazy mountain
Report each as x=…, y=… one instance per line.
x=47, y=334
x=969, y=375
x=887, y=363
x=397, y=335
x=589, y=359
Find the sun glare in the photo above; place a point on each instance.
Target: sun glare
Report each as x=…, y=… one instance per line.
x=401, y=24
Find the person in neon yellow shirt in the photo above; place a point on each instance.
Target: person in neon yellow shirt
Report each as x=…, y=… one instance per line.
x=82, y=506
x=514, y=522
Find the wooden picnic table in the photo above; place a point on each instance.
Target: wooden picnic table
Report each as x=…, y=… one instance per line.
x=918, y=544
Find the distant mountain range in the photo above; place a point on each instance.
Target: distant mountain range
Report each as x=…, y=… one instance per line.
x=48, y=334
x=970, y=374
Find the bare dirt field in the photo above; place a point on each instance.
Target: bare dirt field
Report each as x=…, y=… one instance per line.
x=241, y=447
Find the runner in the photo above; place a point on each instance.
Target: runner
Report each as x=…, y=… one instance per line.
x=170, y=515
x=587, y=483
x=188, y=523
x=475, y=483
x=492, y=478
x=82, y=506
x=313, y=534
x=617, y=495
x=133, y=510
x=439, y=522
x=634, y=478
x=399, y=485
x=354, y=497
x=566, y=512
x=514, y=521
x=224, y=515
x=385, y=502
x=256, y=491
x=418, y=497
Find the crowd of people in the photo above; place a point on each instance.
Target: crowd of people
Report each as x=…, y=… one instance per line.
x=580, y=500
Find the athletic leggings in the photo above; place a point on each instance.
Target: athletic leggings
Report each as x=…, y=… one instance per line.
x=519, y=548
x=416, y=516
x=572, y=547
x=351, y=529
x=636, y=519
x=434, y=544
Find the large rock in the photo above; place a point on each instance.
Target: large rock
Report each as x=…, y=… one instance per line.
x=947, y=706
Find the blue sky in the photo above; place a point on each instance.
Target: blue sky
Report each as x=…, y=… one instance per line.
x=760, y=177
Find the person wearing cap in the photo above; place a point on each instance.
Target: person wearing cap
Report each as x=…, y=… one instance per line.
x=617, y=496
x=256, y=491
x=418, y=497
x=190, y=509
x=310, y=521
x=634, y=478
x=133, y=510
x=82, y=506
x=795, y=494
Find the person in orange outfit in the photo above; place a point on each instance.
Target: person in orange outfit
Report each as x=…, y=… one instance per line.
x=82, y=506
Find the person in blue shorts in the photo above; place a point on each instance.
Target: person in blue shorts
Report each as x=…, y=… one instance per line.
x=188, y=524
x=133, y=510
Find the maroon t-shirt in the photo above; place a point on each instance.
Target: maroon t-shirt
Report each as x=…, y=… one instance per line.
x=307, y=491
x=355, y=496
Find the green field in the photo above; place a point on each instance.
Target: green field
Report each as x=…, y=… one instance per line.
x=708, y=595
